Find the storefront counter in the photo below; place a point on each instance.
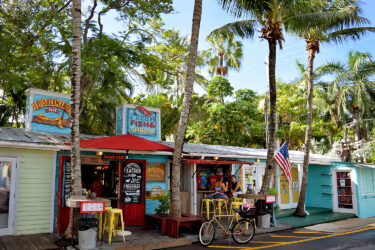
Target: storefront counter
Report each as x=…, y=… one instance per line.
x=75, y=201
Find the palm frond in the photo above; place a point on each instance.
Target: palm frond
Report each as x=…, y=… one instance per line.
x=344, y=35
x=239, y=8
x=243, y=29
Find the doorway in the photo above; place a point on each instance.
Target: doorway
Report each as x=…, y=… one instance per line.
x=7, y=189
x=343, y=191
x=289, y=192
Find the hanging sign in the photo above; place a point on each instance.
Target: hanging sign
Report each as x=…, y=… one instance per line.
x=138, y=120
x=92, y=207
x=270, y=198
x=132, y=180
x=67, y=181
x=155, y=172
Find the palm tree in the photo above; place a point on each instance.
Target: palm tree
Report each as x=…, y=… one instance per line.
x=271, y=16
x=343, y=24
x=223, y=50
x=75, y=107
x=175, y=210
x=353, y=88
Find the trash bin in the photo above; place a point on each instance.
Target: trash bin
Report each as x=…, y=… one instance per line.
x=87, y=232
x=264, y=211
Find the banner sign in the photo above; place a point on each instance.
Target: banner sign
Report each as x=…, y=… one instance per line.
x=132, y=181
x=138, y=120
x=92, y=207
x=48, y=111
x=67, y=186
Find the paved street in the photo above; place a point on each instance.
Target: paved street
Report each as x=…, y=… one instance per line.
x=302, y=239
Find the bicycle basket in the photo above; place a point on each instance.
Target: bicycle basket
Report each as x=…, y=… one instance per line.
x=247, y=211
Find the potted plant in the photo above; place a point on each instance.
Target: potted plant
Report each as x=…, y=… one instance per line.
x=164, y=205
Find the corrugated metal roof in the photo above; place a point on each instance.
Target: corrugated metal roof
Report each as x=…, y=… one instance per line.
x=296, y=156
x=21, y=135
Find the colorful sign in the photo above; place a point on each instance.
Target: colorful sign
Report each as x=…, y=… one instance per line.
x=48, y=111
x=138, y=120
x=92, y=207
x=155, y=172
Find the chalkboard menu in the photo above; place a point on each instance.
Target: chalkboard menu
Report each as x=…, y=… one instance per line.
x=67, y=181
x=132, y=180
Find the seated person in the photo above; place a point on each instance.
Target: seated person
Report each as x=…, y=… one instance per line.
x=97, y=187
x=220, y=189
x=234, y=187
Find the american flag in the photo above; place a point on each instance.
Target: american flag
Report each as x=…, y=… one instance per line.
x=282, y=160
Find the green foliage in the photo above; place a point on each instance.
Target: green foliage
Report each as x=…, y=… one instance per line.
x=219, y=87
x=273, y=191
x=164, y=204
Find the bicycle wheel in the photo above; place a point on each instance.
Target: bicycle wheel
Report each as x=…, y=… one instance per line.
x=206, y=233
x=243, y=231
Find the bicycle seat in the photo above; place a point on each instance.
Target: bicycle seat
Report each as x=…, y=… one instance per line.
x=237, y=210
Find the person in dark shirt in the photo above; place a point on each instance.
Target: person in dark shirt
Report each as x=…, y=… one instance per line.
x=97, y=187
x=234, y=187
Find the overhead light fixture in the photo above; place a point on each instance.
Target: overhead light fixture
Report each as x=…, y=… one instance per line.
x=99, y=153
x=216, y=157
x=258, y=160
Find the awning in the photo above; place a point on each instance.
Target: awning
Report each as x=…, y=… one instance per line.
x=124, y=142
x=214, y=162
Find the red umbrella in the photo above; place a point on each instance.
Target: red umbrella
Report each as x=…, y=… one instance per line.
x=124, y=142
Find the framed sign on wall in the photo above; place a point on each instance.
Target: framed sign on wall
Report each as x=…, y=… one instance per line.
x=155, y=172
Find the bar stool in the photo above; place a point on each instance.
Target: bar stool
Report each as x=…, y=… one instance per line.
x=105, y=226
x=235, y=205
x=207, y=202
x=237, y=200
x=113, y=220
x=221, y=206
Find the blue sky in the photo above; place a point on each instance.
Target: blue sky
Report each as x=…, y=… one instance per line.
x=253, y=74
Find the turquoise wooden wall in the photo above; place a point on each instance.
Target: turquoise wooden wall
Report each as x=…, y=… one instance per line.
x=366, y=185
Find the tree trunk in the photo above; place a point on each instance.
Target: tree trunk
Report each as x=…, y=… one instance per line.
x=272, y=119
x=330, y=139
x=357, y=127
x=300, y=210
x=75, y=103
x=175, y=210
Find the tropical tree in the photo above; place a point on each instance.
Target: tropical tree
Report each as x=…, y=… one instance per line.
x=175, y=210
x=75, y=102
x=270, y=16
x=219, y=87
x=353, y=88
x=222, y=50
x=342, y=21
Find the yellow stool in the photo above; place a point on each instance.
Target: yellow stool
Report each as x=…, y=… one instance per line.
x=237, y=200
x=113, y=220
x=207, y=203
x=235, y=205
x=101, y=226
x=105, y=226
x=221, y=203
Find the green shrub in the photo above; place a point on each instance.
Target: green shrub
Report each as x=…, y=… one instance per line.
x=164, y=205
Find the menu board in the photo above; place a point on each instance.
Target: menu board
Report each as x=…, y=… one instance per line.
x=92, y=207
x=67, y=181
x=132, y=180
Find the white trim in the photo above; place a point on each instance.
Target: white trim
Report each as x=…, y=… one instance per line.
x=195, y=191
x=52, y=209
x=30, y=111
x=13, y=196
x=335, y=207
x=28, y=145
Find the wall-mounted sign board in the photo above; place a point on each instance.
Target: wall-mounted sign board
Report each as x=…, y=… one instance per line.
x=270, y=198
x=47, y=111
x=92, y=207
x=132, y=180
x=155, y=172
x=138, y=120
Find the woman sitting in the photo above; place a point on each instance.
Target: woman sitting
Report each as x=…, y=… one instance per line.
x=235, y=187
x=220, y=190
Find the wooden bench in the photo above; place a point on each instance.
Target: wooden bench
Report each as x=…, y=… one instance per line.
x=174, y=224
x=158, y=219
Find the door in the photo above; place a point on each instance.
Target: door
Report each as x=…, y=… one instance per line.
x=7, y=193
x=289, y=192
x=133, y=193
x=343, y=192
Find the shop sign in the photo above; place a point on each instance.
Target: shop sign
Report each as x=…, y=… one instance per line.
x=113, y=157
x=270, y=198
x=67, y=181
x=155, y=172
x=48, y=111
x=93, y=161
x=138, y=120
x=132, y=183
x=92, y=207
x=156, y=191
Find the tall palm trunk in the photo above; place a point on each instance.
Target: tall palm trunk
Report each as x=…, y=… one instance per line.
x=175, y=210
x=300, y=210
x=272, y=119
x=75, y=102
